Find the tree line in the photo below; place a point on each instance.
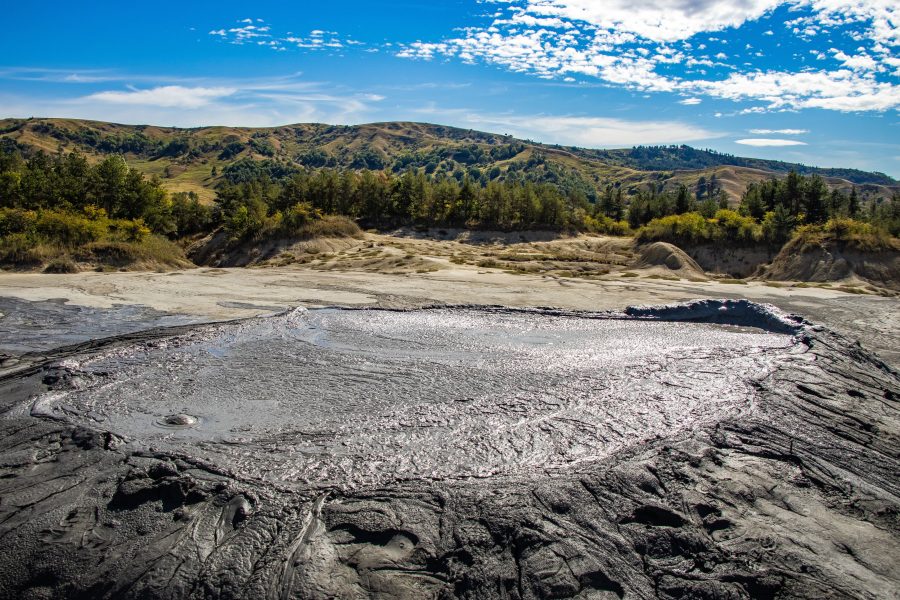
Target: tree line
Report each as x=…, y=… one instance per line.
x=382, y=199
x=68, y=183
x=255, y=198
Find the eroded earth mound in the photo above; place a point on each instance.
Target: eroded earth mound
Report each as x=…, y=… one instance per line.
x=670, y=257
x=706, y=450
x=834, y=261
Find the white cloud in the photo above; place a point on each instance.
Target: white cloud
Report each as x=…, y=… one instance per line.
x=57, y=75
x=779, y=131
x=250, y=32
x=244, y=34
x=656, y=20
x=168, y=96
x=841, y=90
x=764, y=142
x=248, y=102
x=590, y=132
x=690, y=101
x=631, y=43
x=858, y=62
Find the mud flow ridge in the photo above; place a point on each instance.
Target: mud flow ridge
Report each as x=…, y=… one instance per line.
x=366, y=397
x=714, y=449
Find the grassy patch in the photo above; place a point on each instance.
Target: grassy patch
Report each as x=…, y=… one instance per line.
x=62, y=264
x=852, y=234
x=666, y=277
x=489, y=263
x=852, y=289
x=55, y=240
x=330, y=226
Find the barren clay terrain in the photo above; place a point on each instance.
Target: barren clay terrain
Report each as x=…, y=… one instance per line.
x=410, y=270
x=715, y=449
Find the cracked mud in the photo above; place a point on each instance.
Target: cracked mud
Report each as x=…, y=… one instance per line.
x=716, y=449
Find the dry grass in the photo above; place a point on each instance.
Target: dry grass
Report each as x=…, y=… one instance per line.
x=330, y=226
x=847, y=232
x=62, y=264
x=152, y=252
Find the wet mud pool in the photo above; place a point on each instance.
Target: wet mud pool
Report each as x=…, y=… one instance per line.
x=34, y=326
x=711, y=449
x=366, y=397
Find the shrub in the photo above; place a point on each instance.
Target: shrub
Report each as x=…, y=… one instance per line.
x=132, y=231
x=849, y=232
x=109, y=252
x=693, y=228
x=20, y=250
x=16, y=220
x=685, y=228
x=605, y=225
x=152, y=249
x=736, y=227
x=332, y=226
x=68, y=229
x=247, y=220
x=62, y=264
x=299, y=216
x=158, y=249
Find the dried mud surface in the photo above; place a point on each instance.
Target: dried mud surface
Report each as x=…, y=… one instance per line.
x=714, y=449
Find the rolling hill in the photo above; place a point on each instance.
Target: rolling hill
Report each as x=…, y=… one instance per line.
x=195, y=160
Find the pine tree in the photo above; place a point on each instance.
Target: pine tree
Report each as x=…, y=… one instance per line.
x=814, y=200
x=682, y=200
x=701, y=188
x=853, y=204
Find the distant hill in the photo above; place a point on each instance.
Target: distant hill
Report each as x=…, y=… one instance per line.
x=196, y=159
x=657, y=158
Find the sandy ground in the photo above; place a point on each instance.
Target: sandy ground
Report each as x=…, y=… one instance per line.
x=217, y=294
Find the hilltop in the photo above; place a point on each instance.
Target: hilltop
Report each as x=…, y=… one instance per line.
x=94, y=195
x=195, y=160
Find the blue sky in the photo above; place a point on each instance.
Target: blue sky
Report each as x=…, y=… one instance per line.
x=814, y=81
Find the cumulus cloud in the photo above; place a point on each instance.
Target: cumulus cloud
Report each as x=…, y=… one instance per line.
x=762, y=142
x=657, y=20
x=167, y=96
x=636, y=43
x=690, y=101
x=840, y=90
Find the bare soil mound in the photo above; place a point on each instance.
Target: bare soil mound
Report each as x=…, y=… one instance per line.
x=835, y=261
x=735, y=261
x=219, y=250
x=667, y=256
x=481, y=236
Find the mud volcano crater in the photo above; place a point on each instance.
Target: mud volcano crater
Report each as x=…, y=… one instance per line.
x=350, y=398
x=710, y=450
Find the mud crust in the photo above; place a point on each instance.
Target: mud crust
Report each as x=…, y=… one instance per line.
x=799, y=499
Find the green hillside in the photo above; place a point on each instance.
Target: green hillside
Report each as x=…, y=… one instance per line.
x=196, y=160
x=77, y=194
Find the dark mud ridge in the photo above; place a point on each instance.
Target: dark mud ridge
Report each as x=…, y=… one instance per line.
x=705, y=450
